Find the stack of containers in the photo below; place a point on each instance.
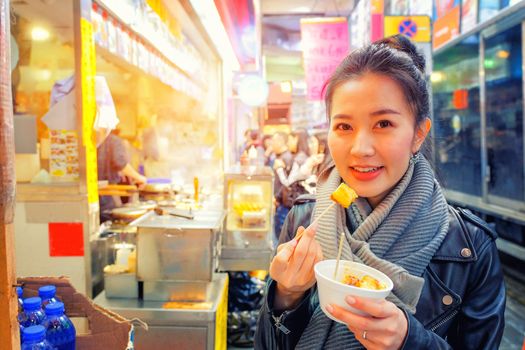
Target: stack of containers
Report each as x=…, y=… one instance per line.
x=57, y=329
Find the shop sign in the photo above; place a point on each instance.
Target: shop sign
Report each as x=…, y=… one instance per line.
x=416, y=28
x=324, y=44
x=469, y=15
x=376, y=20
x=446, y=28
x=443, y=7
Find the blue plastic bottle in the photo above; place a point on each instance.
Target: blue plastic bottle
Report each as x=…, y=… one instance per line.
x=34, y=338
x=47, y=293
x=33, y=314
x=60, y=331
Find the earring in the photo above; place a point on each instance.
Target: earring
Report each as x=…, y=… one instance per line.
x=414, y=158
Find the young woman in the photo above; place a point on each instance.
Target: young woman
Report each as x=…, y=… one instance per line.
x=448, y=286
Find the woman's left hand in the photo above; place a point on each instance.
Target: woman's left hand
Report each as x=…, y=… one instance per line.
x=385, y=328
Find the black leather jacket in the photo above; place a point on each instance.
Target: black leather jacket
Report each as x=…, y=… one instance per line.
x=461, y=305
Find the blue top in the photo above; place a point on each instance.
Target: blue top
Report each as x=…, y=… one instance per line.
x=32, y=304
x=55, y=309
x=47, y=292
x=33, y=333
x=19, y=291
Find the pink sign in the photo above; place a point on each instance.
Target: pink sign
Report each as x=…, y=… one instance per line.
x=325, y=43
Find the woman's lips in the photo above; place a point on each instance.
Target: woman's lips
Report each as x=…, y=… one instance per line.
x=366, y=173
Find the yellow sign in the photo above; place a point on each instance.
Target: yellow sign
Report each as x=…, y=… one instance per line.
x=221, y=318
x=416, y=28
x=87, y=77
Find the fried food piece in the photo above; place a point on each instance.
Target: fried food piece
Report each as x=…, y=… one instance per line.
x=344, y=195
x=367, y=282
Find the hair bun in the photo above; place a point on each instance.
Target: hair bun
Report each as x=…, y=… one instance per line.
x=402, y=43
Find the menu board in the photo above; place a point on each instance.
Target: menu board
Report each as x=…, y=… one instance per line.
x=64, y=154
x=325, y=44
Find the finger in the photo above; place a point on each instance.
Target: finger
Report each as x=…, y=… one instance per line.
x=310, y=259
x=285, y=251
x=380, y=308
x=355, y=321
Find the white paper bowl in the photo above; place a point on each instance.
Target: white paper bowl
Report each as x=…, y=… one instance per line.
x=334, y=291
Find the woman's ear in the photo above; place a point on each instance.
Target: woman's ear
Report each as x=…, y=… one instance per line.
x=421, y=133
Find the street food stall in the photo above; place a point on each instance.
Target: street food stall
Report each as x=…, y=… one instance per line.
x=171, y=284
x=156, y=65
x=248, y=201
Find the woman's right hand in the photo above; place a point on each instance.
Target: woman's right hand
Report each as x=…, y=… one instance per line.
x=293, y=268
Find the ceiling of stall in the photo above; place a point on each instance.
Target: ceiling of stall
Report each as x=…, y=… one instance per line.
x=57, y=15
x=281, y=32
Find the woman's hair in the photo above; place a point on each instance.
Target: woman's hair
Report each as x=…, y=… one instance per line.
x=395, y=57
x=302, y=141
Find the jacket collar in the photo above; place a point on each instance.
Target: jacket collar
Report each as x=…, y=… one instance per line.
x=457, y=245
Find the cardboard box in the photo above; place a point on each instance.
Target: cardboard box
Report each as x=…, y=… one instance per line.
x=107, y=330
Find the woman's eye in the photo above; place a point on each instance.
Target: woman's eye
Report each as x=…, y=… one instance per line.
x=384, y=124
x=343, y=127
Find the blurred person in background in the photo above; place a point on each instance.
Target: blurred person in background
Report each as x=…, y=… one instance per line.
x=298, y=145
x=269, y=155
x=113, y=165
x=284, y=161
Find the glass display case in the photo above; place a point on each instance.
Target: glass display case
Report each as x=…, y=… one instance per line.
x=248, y=200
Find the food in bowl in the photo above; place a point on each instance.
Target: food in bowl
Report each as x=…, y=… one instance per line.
x=332, y=291
x=367, y=282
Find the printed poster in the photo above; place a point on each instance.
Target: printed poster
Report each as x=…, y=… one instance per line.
x=64, y=154
x=324, y=43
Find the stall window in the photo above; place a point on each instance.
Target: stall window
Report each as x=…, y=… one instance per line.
x=455, y=85
x=46, y=134
x=504, y=106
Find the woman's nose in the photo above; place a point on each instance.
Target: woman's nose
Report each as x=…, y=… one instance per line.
x=362, y=145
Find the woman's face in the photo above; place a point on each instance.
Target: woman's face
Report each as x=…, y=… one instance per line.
x=372, y=135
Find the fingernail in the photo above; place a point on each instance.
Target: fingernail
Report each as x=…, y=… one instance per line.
x=350, y=300
x=329, y=308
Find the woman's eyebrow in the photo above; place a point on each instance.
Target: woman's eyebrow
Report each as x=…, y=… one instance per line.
x=384, y=111
x=342, y=116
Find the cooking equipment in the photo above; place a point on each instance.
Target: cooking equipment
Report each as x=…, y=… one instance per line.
x=176, y=255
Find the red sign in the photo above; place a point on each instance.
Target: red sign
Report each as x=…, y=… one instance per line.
x=66, y=239
x=325, y=43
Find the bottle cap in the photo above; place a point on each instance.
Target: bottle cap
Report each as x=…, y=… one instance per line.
x=31, y=304
x=37, y=333
x=19, y=291
x=55, y=308
x=47, y=292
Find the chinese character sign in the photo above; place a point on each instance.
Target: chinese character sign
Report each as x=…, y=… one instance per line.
x=324, y=43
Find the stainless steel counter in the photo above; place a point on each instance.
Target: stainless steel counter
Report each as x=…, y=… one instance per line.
x=203, y=219
x=177, y=328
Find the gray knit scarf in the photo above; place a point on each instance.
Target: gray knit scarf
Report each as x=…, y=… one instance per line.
x=399, y=237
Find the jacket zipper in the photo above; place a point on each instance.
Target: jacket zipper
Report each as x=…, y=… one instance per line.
x=279, y=323
x=444, y=320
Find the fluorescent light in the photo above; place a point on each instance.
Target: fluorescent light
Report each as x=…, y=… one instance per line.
x=39, y=34
x=211, y=20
